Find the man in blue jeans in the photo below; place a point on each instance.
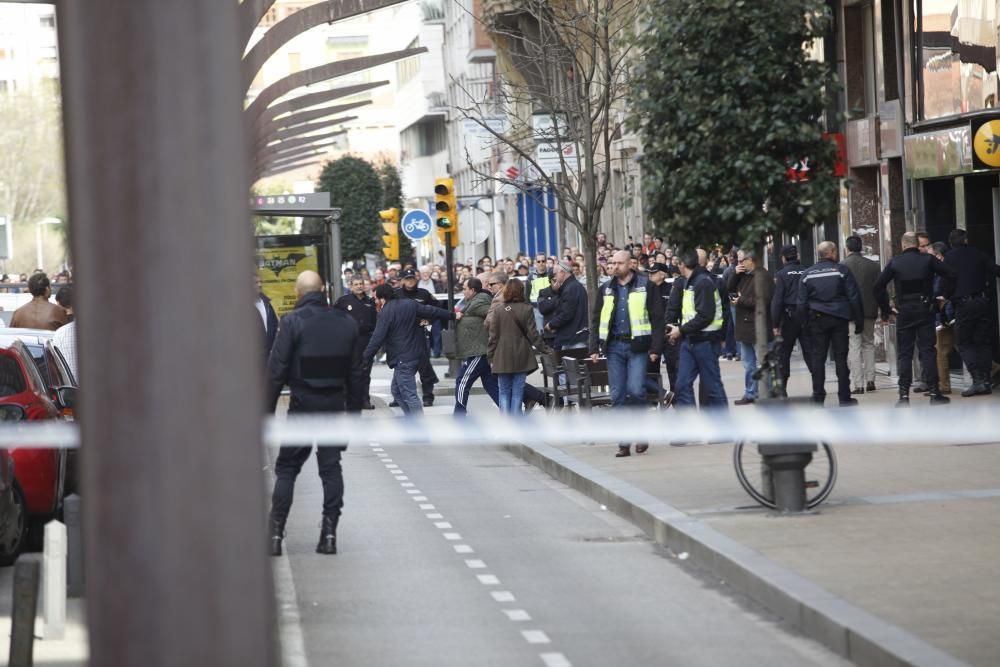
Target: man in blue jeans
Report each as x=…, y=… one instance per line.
x=629, y=327
x=404, y=342
x=701, y=328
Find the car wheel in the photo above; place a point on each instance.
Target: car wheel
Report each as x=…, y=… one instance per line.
x=13, y=538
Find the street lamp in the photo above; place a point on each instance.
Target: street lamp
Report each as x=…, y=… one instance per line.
x=38, y=237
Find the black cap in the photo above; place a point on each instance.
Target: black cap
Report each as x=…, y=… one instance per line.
x=659, y=266
x=408, y=273
x=789, y=251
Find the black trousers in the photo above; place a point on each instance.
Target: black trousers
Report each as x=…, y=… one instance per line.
x=367, y=379
x=974, y=324
x=671, y=353
x=428, y=378
x=915, y=326
x=825, y=332
x=792, y=331
x=291, y=459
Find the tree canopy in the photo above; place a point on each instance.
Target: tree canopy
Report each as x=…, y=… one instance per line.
x=354, y=186
x=726, y=96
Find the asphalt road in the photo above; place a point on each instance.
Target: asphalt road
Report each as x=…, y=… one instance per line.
x=468, y=556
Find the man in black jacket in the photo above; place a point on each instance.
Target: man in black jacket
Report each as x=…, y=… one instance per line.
x=974, y=308
x=828, y=302
x=317, y=354
x=267, y=314
x=660, y=292
x=409, y=290
x=361, y=308
x=784, y=304
x=569, y=322
x=405, y=343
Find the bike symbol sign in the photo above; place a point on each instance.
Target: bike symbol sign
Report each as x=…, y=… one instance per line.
x=416, y=224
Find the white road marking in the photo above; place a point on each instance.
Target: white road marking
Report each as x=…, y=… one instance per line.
x=503, y=596
x=412, y=491
x=517, y=614
x=420, y=499
x=475, y=564
x=463, y=549
x=488, y=579
x=385, y=460
x=452, y=536
x=555, y=660
x=435, y=515
x=406, y=484
x=391, y=466
x=535, y=637
x=401, y=478
x=442, y=524
x=427, y=506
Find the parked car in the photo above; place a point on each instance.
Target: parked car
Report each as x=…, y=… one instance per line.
x=40, y=473
x=57, y=375
x=13, y=512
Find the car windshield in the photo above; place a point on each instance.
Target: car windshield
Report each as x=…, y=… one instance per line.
x=11, y=379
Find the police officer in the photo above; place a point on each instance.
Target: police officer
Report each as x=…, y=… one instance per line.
x=409, y=289
x=913, y=274
x=828, y=301
x=317, y=354
x=784, y=304
x=361, y=308
x=973, y=308
x=539, y=280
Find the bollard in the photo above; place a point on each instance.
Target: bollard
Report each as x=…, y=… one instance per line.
x=788, y=474
x=74, y=546
x=54, y=581
x=22, y=627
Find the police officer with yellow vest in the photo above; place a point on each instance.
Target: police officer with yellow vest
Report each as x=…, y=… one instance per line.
x=539, y=280
x=699, y=335
x=628, y=334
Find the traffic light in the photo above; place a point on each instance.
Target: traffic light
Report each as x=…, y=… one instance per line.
x=390, y=240
x=447, y=210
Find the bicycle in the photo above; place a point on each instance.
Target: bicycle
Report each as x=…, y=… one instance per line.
x=751, y=469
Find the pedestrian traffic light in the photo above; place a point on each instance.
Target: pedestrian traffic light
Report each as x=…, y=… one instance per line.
x=390, y=240
x=447, y=210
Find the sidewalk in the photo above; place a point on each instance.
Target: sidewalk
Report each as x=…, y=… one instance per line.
x=898, y=566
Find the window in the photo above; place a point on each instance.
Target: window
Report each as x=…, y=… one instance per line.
x=47, y=21
x=11, y=380
x=407, y=68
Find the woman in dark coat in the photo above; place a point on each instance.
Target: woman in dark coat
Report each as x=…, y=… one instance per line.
x=512, y=336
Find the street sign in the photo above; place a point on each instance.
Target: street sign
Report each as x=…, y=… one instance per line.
x=547, y=127
x=547, y=157
x=478, y=126
x=263, y=204
x=416, y=224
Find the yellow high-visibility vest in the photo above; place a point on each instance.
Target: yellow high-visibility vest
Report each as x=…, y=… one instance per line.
x=688, y=310
x=638, y=318
x=537, y=285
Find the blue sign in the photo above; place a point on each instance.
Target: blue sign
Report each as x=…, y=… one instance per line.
x=416, y=224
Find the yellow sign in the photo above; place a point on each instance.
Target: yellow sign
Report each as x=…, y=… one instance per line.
x=986, y=143
x=279, y=267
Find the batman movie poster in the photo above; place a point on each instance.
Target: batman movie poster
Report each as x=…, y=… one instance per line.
x=280, y=260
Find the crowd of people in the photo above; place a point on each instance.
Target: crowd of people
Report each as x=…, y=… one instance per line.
x=654, y=308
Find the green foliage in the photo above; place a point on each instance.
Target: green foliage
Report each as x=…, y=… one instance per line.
x=267, y=225
x=354, y=186
x=392, y=197
x=725, y=98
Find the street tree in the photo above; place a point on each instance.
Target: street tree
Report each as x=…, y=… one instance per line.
x=392, y=197
x=566, y=61
x=728, y=99
x=354, y=186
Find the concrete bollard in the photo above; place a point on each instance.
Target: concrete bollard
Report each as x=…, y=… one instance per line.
x=54, y=581
x=788, y=474
x=22, y=630
x=74, y=546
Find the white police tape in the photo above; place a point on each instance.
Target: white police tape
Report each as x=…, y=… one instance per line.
x=953, y=424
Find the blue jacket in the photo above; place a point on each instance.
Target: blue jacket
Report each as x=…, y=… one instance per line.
x=569, y=322
x=396, y=328
x=828, y=287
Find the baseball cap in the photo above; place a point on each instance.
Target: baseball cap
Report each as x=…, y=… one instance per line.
x=788, y=251
x=408, y=273
x=659, y=266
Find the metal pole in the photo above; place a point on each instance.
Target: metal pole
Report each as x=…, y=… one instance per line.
x=336, y=260
x=22, y=624
x=449, y=261
x=38, y=244
x=158, y=179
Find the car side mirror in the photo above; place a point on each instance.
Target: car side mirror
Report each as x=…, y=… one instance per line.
x=66, y=397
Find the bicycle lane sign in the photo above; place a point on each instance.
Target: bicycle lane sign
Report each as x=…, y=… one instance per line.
x=416, y=224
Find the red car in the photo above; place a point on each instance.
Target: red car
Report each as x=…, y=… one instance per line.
x=40, y=473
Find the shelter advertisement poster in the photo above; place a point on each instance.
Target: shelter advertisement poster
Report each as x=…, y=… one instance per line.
x=280, y=260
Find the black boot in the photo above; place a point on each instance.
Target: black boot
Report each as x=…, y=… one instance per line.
x=937, y=398
x=328, y=536
x=979, y=386
x=904, y=399
x=277, y=535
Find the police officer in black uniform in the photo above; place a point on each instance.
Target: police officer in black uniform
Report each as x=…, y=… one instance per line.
x=828, y=302
x=409, y=289
x=975, y=272
x=783, y=311
x=317, y=354
x=913, y=274
x=361, y=308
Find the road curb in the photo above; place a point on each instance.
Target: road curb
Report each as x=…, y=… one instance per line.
x=855, y=634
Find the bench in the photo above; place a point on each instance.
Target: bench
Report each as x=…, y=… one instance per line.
x=587, y=382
